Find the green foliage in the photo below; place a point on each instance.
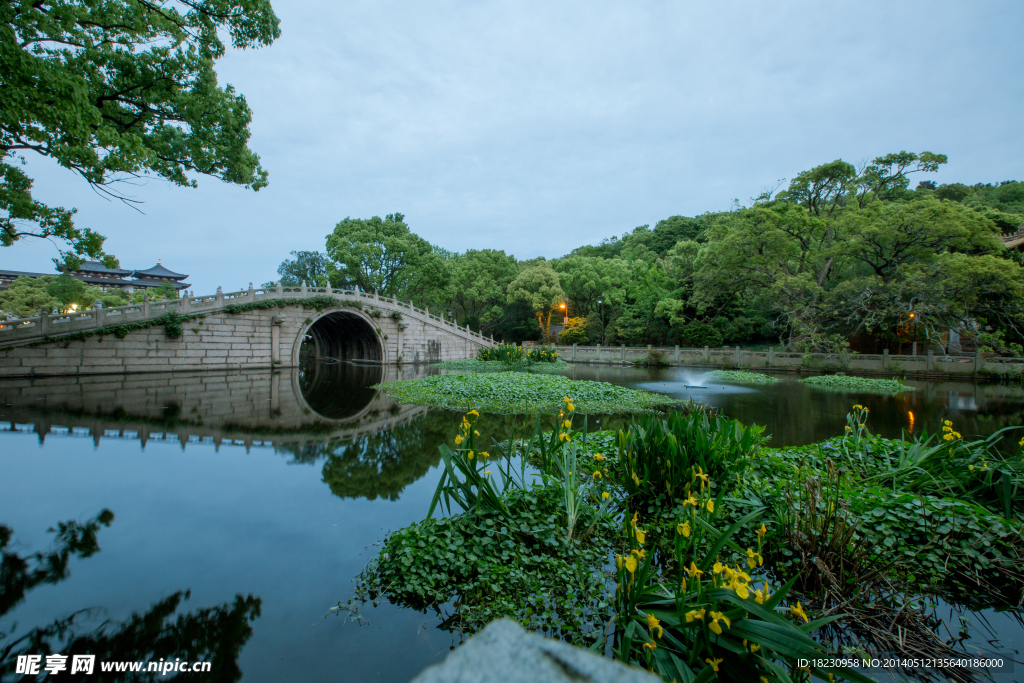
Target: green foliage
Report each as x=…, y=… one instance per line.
x=574, y=332
x=514, y=392
x=385, y=256
x=310, y=267
x=26, y=296
x=540, y=354
x=474, y=365
x=67, y=290
x=743, y=377
x=138, y=95
x=539, y=287
x=657, y=456
x=506, y=354
x=172, y=326
x=493, y=569
x=172, y=322
x=698, y=334
x=685, y=615
x=858, y=384
x=320, y=302
x=480, y=280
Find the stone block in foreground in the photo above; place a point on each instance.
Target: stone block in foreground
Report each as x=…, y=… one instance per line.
x=505, y=652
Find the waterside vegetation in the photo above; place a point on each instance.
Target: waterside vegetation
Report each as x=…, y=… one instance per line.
x=743, y=377
x=729, y=560
x=853, y=383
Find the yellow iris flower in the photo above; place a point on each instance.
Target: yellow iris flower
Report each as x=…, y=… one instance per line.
x=653, y=623
x=717, y=617
x=798, y=611
x=683, y=529
x=714, y=662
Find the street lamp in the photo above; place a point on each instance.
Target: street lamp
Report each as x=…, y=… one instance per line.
x=600, y=304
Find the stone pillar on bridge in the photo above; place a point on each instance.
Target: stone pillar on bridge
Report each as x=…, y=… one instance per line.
x=885, y=359
x=280, y=289
x=771, y=356
x=220, y=296
x=185, y=302
x=252, y=293
x=145, y=305
x=930, y=362
x=98, y=314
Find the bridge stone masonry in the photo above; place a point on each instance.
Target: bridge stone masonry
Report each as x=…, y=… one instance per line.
x=247, y=329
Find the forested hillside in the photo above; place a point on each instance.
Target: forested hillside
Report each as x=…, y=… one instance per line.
x=840, y=257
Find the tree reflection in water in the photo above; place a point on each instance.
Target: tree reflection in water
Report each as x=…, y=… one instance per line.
x=382, y=464
x=214, y=634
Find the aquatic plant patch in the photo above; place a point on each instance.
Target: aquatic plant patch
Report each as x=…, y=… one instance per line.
x=516, y=392
x=527, y=572
x=860, y=384
x=743, y=377
x=475, y=365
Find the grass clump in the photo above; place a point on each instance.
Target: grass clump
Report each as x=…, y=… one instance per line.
x=514, y=392
x=743, y=377
x=860, y=384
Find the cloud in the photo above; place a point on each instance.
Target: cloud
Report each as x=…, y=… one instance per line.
x=536, y=127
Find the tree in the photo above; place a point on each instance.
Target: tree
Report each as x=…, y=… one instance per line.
x=674, y=228
x=584, y=279
x=886, y=176
x=310, y=267
x=26, y=296
x=67, y=290
x=480, y=280
x=114, y=90
x=539, y=287
x=386, y=257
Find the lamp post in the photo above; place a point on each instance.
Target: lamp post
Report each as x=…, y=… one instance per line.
x=600, y=306
x=565, y=313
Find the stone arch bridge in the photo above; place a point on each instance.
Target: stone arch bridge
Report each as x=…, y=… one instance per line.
x=248, y=329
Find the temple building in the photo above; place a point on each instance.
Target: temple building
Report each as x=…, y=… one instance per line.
x=95, y=274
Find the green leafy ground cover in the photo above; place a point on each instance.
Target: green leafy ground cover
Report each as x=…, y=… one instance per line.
x=475, y=365
x=514, y=392
x=859, y=384
x=743, y=377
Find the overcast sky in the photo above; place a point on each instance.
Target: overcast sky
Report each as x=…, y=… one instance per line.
x=535, y=127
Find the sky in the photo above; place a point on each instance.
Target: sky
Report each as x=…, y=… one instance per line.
x=536, y=127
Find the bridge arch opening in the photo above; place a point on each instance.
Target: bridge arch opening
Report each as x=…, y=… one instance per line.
x=339, y=337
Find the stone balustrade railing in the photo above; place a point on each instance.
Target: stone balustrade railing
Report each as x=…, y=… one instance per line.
x=14, y=331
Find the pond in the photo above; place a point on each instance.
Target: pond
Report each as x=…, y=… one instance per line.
x=246, y=502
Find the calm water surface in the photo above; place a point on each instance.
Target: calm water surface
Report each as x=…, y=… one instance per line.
x=253, y=499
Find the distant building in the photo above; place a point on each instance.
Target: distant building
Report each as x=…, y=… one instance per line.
x=1016, y=240
x=96, y=274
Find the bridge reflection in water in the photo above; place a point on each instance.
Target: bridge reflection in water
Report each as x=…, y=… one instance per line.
x=372, y=447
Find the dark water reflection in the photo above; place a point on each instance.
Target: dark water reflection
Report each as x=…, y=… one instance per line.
x=245, y=502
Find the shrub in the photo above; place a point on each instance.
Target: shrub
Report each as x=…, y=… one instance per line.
x=698, y=334
x=575, y=332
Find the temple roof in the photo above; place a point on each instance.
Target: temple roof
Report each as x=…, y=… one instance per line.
x=142, y=282
x=159, y=271
x=97, y=267
x=1015, y=240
